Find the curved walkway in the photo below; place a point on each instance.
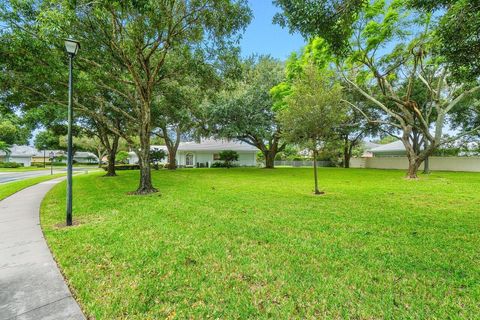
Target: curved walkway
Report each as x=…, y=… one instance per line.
x=31, y=286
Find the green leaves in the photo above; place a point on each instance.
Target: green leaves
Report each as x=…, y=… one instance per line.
x=245, y=111
x=314, y=108
x=329, y=19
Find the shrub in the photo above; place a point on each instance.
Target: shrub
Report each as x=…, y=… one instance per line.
x=124, y=167
x=222, y=165
x=122, y=157
x=10, y=165
x=39, y=164
x=228, y=157
x=59, y=164
x=158, y=166
x=157, y=155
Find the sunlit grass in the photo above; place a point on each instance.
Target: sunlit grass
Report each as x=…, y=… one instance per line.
x=255, y=243
x=9, y=188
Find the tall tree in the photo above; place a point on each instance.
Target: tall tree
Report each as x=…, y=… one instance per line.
x=47, y=140
x=353, y=129
x=5, y=147
x=390, y=80
x=458, y=33
x=467, y=118
x=125, y=45
x=380, y=72
x=36, y=78
x=313, y=111
x=354, y=126
x=330, y=19
x=244, y=111
x=177, y=111
x=137, y=40
x=13, y=130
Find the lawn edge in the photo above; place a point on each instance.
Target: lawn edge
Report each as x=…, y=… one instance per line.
x=58, y=175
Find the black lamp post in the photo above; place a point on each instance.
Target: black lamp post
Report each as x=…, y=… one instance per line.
x=44, y=157
x=52, y=157
x=72, y=47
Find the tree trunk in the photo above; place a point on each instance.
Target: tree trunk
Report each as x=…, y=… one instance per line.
x=172, y=161
x=145, y=185
x=413, y=166
x=112, y=153
x=315, y=173
x=426, y=166
x=111, y=164
x=414, y=162
x=172, y=146
x=347, y=154
x=172, y=152
x=269, y=159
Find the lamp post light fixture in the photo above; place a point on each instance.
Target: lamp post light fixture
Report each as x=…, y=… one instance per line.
x=72, y=47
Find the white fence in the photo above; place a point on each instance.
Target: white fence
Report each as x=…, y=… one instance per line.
x=471, y=164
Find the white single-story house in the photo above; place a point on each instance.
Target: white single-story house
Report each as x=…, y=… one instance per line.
x=393, y=156
x=85, y=157
x=19, y=154
x=28, y=155
x=368, y=146
x=79, y=156
x=394, y=149
x=205, y=153
x=44, y=155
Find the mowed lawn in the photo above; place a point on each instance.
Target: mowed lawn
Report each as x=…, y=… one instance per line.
x=256, y=243
x=9, y=188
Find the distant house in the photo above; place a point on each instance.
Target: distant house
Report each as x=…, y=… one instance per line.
x=85, y=157
x=205, y=153
x=28, y=155
x=19, y=154
x=44, y=155
x=367, y=148
x=394, y=149
x=61, y=156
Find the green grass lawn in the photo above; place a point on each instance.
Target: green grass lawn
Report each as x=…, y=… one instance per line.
x=22, y=169
x=9, y=188
x=255, y=243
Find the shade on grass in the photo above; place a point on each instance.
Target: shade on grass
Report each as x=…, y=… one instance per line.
x=9, y=188
x=253, y=243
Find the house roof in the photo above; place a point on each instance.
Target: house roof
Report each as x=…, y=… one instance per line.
x=396, y=146
x=216, y=145
x=39, y=153
x=20, y=151
x=83, y=154
x=208, y=145
x=27, y=151
x=368, y=145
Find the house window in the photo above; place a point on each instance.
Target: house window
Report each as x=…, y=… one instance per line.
x=189, y=159
x=216, y=156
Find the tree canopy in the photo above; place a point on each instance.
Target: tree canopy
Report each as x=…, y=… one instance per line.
x=244, y=110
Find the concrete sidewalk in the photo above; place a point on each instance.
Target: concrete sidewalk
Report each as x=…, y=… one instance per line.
x=31, y=286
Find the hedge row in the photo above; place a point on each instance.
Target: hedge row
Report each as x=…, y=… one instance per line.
x=124, y=167
x=10, y=165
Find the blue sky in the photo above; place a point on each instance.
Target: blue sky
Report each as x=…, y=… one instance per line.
x=264, y=37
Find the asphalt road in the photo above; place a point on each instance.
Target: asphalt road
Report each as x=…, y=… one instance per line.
x=21, y=175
